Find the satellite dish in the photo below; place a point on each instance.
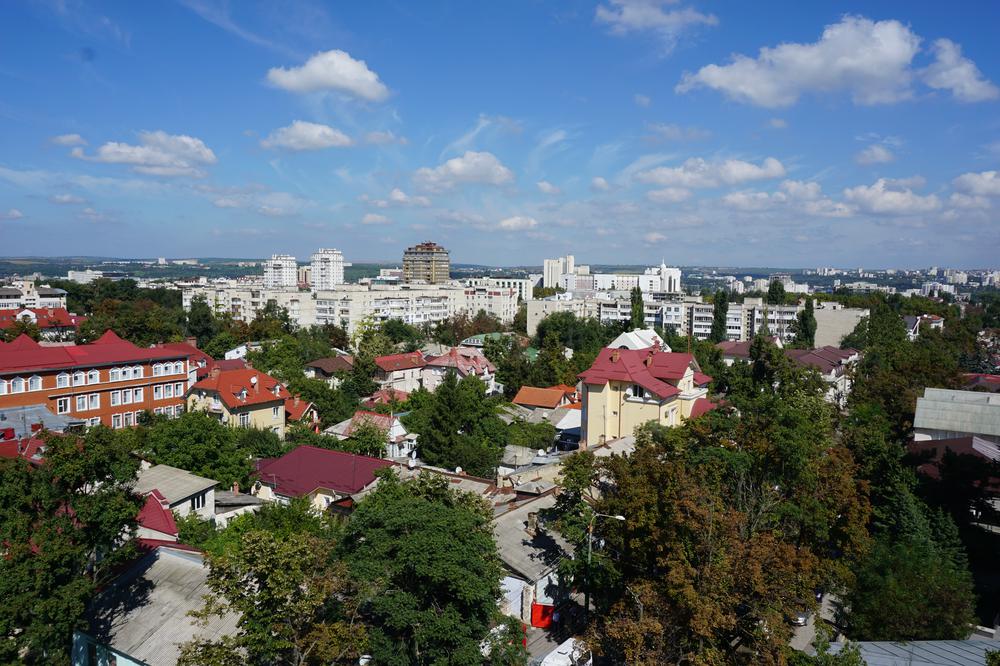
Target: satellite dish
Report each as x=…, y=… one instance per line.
x=253, y=380
x=541, y=452
x=411, y=463
x=458, y=470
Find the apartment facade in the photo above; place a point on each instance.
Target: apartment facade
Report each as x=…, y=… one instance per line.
x=27, y=294
x=244, y=398
x=244, y=300
x=281, y=270
x=522, y=286
x=426, y=263
x=108, y=382
x=327, y=269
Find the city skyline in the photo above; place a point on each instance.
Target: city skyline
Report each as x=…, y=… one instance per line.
x=622, y=131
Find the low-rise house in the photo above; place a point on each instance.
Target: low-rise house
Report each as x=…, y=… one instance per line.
x=464, y=362
x=639, y=339
x=245, y=398
x=531, y=556
x=399, y=442
x=329, y=368
x=384, y=397
x=18, y=422
x=624, y=389
x=734, y=350
x=156, y=520
x=913, y=324
x=328, y=478
x=53, y=323
x=970, y=652
x=535, y=398
x=302, y=411
x=947, y=413
x=183, y=491
x=931, y=455
x=982, y=382
x=833, y=364
x=232, y=503
x=142, y=618
x=400, y=371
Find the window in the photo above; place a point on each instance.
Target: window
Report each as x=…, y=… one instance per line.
x=637, y=391
x=114, y=374
x=93, y=421
x=157, y=369
x=62, y=406
x=3, y=387
x=17, y=385
x=95, y=400
x=137, y=395
x=178, y=410
x=116, y=421
x=179, y=389
x=116, y=398
x=244, y=420
x=93, y=377
x=179, y=368
x=62, y=380
x=137, y=415
x=274, y=412
x=158, y=392
x=127, y=397
x=198, y=502
x=128, y=418
x=168, y=390
x=35, y=383
x=136, y=372
x=81, y=403
x=79, y=379
x=126, y=374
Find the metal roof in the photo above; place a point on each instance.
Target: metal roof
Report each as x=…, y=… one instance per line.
x=174, y=484
x=923, y=653
x=972, y=412
x=22, y=418
x=530, y=556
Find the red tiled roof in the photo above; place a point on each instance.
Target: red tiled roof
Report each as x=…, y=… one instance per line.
x=192, y=352
x=702, y=406
x=649, y=368
x=296, y=408
x=44, y=318
x=385, y=397
x=380, y=421
x=395, y=362
x=156, y=514
x=306, y=468
x=29, y=448
x=739, y=349
x=465, y=360
x=532, y=396
x=701, y=379
x=976, y=379
x=26, y=355
x=229, y=385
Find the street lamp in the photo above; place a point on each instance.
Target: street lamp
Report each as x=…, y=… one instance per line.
x=590, y=550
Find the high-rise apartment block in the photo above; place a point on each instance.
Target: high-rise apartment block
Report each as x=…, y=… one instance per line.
x=426, y=263
x=327, y=269
x=280, y=270
x=553, y=269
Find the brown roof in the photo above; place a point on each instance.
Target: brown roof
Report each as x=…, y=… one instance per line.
x=532, y=396
x=342, y=362
x=395, y=362
x=825, y=359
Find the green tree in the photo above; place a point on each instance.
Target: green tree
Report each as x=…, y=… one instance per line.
x=56, y=518
x=805, y=327
x=296, y=605
x=513, y=369
x=21, y=327
x=201, y=321
x=552, y=367
x=429, y=553
x=220, y=344
x=720, y=310
x=776, y=293
x=368, y=439
x=638, y=320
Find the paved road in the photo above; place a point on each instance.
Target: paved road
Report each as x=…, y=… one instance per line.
x=804, y=636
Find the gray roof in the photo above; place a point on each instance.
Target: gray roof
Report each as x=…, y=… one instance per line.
x=22, y=418
x=529, y=556
x=9, y=291
x=145, y=612
x=50, y=291
x=227, y=499
x=924, y=653
x=174, y=484
x=970, y=412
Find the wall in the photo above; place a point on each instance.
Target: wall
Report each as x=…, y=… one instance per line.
x=832, y=325
x=261, y=415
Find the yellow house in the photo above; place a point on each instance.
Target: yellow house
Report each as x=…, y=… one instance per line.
x=625, y=388
x=243, y=398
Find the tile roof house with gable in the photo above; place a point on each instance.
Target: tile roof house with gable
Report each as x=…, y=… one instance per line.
x=399, y=371
x=833, y=364
x=328, y=478
x=242, y=398
x=464, y=361
x=109, y=381
x=626, y=388
x=328, y=368
x=400, y=443
x=54, y=323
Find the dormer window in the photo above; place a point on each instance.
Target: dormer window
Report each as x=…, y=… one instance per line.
x=35, y=383
x=243, y=394
x=93, y=377
x=79, y=378
x=62, y=380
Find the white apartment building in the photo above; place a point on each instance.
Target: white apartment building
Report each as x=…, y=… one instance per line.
x=936, y=289
x=84, y=277
x=281, y=270
x=523, y=286
x=553, y=269
x=243, y=300
x=327, y=269
x=26, y=294
x=539, y=309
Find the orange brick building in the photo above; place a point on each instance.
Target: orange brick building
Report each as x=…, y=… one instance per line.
x=110, y=381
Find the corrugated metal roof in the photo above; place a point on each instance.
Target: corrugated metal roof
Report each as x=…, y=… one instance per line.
x=972, y=412
x=923, y=653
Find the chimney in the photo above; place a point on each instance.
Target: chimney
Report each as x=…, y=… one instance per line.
x=615, y=355
x=214, y=374
x=236, y=486
x=531, y=527
x=296, y=401
x=191, y=340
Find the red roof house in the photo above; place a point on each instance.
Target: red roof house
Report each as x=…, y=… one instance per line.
x=51, y=321
x=156, y=520
x=309, y=470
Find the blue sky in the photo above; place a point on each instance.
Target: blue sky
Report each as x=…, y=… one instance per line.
x=624, y=131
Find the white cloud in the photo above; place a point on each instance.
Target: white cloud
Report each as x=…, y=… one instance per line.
x=828, y=208
x=628, y=16
x=599, y=184
x=748, y=200
x=69, y=140
x=951, y=71
x=545, y=187
x=398, y=197
x=802, y=196
x=870, y=60
x=382, y=138
x=671, y=132
x=801, y=190
x=227, y=202
x=654, y=237
x=778, y=123
x=874, y=154
x=374, y=218
x=969, y=201
x=11, y=214
x=642, y=100
x=331, y=70
x=518, y=223
x=472, y=167
x=159, y=154
x=669, y=195
x=93, y=215
x=302, y=135
x=985, y=183
x=697, y=172
x=67, y=199
x=891, y=197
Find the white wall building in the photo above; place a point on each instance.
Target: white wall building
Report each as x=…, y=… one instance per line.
x=553, y=269
x=280, y=270
x=523, y=286
x=327, y=269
